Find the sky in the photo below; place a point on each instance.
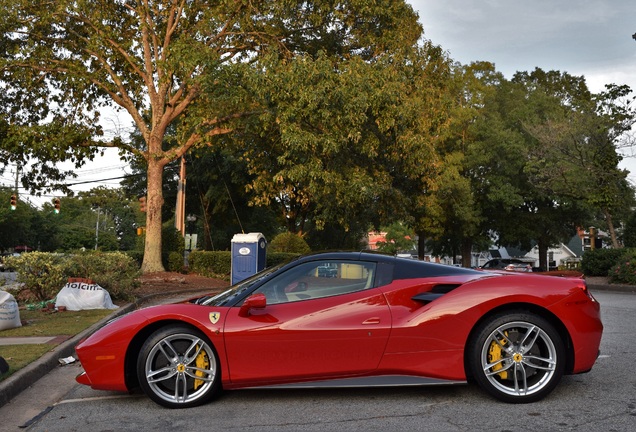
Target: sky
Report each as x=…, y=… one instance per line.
x=590, y=38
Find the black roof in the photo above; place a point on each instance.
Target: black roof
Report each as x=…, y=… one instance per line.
x=404, y=268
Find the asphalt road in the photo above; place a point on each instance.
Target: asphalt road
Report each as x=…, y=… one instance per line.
x=602, y=400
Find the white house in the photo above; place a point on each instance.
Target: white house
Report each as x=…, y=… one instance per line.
x=557, y=256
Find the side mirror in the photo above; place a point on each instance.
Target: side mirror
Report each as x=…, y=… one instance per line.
x=256, y=301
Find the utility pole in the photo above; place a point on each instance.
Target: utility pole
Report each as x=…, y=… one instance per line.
x=99, y=209
x=17, y=178
x=179, y=214
x=17, y=184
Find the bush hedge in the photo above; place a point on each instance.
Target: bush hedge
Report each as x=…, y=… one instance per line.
x=275, y=258
x=44, y=274
x=116, y=272
x=290, y=243
x=41, y=274
x=598, y=262
x=211, y=264
x=176, y=262
x=172, y=243
x=624, y=271
x=219, y=264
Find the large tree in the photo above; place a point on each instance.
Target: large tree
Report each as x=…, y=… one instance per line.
x=19, y=227
x=473, y=150
x=575, y=149
x=168, y=60
x=493, y=142
x=538, y=215
x=333, y=156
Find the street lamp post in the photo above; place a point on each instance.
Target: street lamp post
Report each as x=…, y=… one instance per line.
x=190, y=238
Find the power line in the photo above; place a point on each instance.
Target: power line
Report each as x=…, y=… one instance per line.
x=104, y=180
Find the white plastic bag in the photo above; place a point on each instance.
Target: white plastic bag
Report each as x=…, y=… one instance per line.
x=9, y=312
x=81, y=295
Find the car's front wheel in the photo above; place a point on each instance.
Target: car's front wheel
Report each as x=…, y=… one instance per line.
x=179, y=368
x=517, y=357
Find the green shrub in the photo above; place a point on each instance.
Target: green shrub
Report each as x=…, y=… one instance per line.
x=42, y=274
x=137, y=255
x=290, y=243
x=219, y=264
x=598, y=262
x=116, y=272
x=276, y=258
x=175, y=262
x=171, y=241
x=625, y=271
x=210, y=264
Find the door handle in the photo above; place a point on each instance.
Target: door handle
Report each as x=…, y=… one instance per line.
x=375, y=320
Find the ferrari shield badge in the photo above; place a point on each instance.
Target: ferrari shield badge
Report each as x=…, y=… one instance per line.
x=214, y=317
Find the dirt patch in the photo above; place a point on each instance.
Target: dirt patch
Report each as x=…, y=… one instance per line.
x=165, y=282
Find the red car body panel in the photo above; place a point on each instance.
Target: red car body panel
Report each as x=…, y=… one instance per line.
x=332, y=336
x=377, y=331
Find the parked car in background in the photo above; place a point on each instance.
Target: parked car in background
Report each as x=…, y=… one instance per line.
x=510, y=264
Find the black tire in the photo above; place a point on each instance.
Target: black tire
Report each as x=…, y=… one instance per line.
x=517, y=357
x=178, y=367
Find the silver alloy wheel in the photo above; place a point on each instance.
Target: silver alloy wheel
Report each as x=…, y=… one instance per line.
x=180, y=368
x=519, y=358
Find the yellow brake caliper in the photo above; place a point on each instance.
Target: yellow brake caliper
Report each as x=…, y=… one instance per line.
x=202, y=362
x=494, y=355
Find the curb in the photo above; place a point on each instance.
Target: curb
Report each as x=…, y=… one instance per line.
x=28, y=375
x=612, y=287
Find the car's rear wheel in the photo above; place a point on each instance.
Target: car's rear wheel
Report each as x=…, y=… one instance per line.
x=517, y=357
x=179, y=368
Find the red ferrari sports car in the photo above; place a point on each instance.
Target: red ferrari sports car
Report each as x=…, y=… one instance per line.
x=354, y=319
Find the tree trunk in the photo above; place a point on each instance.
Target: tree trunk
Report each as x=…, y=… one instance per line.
x=467, y=253
x=421, y=246
x=543, y=256
x=610, y=227
x=208, y=244
x=154, y=201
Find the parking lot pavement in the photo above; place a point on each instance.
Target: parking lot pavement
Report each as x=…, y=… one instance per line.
x=38, y=398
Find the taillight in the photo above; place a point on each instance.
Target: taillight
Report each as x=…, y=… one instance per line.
x=586, y=290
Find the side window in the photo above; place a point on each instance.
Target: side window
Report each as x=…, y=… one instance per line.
x=319, y=279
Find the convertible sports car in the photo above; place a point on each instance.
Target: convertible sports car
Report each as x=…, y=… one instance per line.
x=354, y=319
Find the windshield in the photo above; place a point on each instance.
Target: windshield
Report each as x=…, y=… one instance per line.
x=225, y=298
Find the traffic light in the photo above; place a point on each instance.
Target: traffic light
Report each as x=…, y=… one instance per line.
x=56, y=204
x=142, y=203
x=14, y=202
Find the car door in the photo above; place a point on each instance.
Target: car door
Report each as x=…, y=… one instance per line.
x=322, y=319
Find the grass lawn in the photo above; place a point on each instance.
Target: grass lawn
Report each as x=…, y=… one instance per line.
x=19, y=356
x=39, y=323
